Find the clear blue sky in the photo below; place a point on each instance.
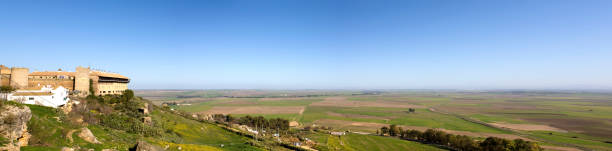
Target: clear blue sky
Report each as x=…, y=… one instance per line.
x=320, y=44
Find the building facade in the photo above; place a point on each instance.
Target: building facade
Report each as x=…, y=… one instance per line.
x=46, y=96
x=78, y=82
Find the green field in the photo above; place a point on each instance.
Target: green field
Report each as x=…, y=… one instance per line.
x=354, y=142
x=585, y=115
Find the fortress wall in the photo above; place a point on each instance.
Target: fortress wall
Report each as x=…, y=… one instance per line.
x=5, y=79
x=5, y=75
x=19, y=77
x=81, y=81
x=39, y=83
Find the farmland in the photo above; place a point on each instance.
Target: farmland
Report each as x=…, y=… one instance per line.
x=559, y=120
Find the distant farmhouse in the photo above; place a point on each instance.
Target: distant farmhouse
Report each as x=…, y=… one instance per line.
x=51, y=88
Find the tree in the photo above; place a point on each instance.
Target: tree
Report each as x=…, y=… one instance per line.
x=91, y=88
x=413, y=134
x=394, y=130
x=230, y=119
x=127, y=95
x=5, y=90
x=496, y=144
x=384, y=130
x=522, y=145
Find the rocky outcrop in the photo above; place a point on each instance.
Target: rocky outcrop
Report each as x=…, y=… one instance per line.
x=86, y=135
x=144, y=146
x=68, y=107
x=146, y=108
x=67, y=149
x=13, y=125
x=203, y=117
x=147, y=120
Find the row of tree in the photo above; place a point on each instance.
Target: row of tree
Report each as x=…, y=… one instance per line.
x=258, y=122
x=460, y=142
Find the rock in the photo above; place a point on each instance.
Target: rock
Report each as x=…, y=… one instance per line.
x=67, y=108
x=86, y=135
x=13, y=125
x=144, y=146
x=147, y=120
x=144, y=109
x=294, y=124
x=206, y=117
x=67, y=149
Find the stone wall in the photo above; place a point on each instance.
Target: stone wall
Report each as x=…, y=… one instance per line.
x=39, y=83
x=19, y=77
x=81, y=81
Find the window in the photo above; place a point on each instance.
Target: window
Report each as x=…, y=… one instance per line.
x=31, y=98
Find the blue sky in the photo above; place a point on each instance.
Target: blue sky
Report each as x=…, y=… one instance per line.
x=318, y=44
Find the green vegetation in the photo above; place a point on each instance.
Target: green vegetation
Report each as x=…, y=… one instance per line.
x=48, y=132
x=460, y=142
x=116, y=122
x=3, y=141
x=355, y=142
x=399, y=116
x=573, y=138
x=179, y=130
x=584, y=115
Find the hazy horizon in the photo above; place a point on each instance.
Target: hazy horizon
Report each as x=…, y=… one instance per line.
x=466, y=45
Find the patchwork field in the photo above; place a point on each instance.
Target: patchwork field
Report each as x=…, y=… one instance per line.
x=558, y=120
x=255, y=110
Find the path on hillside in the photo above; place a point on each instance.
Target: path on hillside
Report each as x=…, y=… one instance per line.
x=518, y=133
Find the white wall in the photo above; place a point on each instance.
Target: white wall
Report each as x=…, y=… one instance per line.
x=58, y=97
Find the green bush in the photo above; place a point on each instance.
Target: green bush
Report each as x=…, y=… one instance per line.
x=129, y=124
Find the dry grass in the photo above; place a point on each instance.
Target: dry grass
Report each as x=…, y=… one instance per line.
x=528, y=127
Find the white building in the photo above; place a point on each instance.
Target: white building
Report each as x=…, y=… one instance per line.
x=338, y=133
x=46, y=96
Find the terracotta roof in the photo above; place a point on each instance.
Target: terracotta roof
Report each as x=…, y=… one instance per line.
x=32, y=93
x=51, y=73
x=111, y=75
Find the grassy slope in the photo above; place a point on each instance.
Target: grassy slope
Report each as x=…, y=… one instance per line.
x=50, y=134
x=185, y=131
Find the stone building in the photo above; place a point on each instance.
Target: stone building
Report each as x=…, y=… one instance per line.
x=77, y=82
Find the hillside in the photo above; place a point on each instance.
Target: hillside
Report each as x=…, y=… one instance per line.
x=131, y=123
